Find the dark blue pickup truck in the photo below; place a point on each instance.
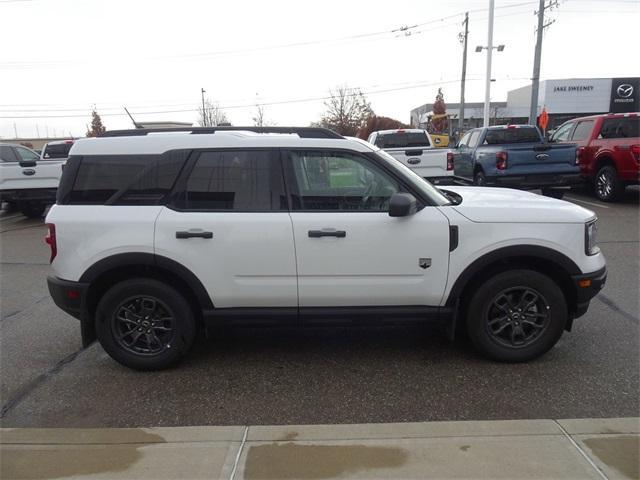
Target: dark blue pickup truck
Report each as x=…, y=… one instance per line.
x=514, y=156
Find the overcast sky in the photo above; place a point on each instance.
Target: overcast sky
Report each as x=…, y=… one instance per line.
x=60, y=57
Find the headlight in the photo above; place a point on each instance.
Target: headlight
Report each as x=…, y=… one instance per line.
x=590, y=243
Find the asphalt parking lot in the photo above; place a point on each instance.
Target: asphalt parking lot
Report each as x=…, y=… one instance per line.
x=314, y=376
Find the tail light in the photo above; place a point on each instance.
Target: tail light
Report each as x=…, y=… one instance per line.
x=449, y=161
x=635, y=151
x=50, y=240
x=579, y=154
x=501, y=160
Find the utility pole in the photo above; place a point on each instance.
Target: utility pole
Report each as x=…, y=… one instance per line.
x=487, y=91
x=204, y=116
x=535, y=79
x=15, y=130
x=464, y=70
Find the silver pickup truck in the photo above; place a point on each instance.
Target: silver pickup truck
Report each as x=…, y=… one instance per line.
x=414, y=148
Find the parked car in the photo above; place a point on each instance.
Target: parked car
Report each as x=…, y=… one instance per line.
x=515, y=156
x=609, y=151
x=154, y=236
x=414, y=148
x=27, y=182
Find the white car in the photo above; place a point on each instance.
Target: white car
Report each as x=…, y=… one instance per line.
x=26, y=180
x=156, y=235
x=414, y=148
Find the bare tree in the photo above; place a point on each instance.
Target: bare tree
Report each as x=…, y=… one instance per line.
x=347, y=111
x=212, y=115
x=260, y=120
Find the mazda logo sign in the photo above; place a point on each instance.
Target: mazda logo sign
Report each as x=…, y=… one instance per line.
x=625, y=90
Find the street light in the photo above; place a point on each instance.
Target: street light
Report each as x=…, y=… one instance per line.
x=487, y=97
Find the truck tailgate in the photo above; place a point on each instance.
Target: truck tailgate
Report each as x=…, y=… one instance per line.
x=46, y=174
x=541, y=158
x=426, y=162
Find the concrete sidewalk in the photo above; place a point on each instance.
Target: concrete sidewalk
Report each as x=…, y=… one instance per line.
x=513, y=449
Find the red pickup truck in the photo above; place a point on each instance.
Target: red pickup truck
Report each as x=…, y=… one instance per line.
x=608, y=151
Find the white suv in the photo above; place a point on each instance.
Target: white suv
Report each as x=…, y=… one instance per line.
x=155, y=235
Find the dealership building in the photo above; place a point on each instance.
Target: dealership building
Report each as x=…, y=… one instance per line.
x=563, y=99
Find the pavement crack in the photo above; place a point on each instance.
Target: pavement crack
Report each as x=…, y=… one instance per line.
x=25, y=391
x=18, y=312
x=613, y=306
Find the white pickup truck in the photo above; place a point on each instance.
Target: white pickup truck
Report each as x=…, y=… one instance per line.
x=29, y=182
x=414, y=148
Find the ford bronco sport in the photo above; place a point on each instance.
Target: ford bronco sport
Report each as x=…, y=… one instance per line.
x=156, y=235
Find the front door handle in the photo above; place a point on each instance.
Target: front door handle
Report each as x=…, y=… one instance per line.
x=327, y=233
x=194, y=234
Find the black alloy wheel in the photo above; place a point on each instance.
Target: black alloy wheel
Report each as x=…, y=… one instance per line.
x=517, y=316
x=143, y=325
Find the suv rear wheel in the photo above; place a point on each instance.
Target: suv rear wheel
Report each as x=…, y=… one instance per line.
x=479, y=179
x=145, y=324
x=607, y=185
x=516, y=316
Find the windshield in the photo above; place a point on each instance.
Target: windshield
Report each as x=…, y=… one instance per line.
x=416, y=180
x=511, y=135
x=403, y=140
x=59, y=150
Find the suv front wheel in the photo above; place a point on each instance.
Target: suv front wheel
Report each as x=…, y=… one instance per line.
x=145, y=324
x=516, y=316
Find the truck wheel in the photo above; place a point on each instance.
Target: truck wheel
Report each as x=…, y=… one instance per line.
x=479, y=179
x=607, y=185
x=145, y=324
x=516, y=316
x=32, y=210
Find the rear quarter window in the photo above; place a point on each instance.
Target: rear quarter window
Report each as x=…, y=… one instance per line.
x=121, y=179
x=623, y=127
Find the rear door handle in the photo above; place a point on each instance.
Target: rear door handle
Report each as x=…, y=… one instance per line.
x=194, y=234
x=327, y=233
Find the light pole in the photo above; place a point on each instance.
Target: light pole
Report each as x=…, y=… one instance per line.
x=487, y=93
x=204, y=116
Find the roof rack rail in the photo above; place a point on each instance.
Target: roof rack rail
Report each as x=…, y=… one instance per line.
x=302, y=132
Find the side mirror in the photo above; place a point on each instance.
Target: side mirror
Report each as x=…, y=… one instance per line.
x=402, y=205
x=27, y=163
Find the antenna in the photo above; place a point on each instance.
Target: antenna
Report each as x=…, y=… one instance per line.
x=136, y=125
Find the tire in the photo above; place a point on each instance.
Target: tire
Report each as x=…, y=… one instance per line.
x=32, y=210
x=479, y=179
x=155, y=306
x=607, y=186
x=512, y=337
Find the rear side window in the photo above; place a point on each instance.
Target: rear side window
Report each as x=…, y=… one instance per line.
x=511, y=135
x=6, y=154
x=583, y=130
x=402, y=140
x=59, y=150
x=623, y=127
x=124, y=179
x=235, y=180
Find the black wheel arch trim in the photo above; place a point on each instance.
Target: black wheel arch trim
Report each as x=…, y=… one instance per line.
x=151, y=260
x=516, y=251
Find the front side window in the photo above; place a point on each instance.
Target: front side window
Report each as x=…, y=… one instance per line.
x=473, y=140
x=465, y=140
x=26, y=154
x=583, y=130
x=562, y=134
x=236, y=180
x=330, y=181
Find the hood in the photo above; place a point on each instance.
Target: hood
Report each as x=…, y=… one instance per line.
x=506, y=205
